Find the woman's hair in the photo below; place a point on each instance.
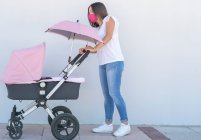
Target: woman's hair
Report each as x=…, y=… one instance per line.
x=100, y=10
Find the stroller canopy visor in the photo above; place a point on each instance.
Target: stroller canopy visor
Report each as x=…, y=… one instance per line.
x=25, y=65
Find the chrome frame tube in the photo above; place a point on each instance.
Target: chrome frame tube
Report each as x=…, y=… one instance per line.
x=29, y=111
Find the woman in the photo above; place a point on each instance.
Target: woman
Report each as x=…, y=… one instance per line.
x=111, y=64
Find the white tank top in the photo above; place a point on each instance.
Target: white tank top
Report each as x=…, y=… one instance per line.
x=111, y=52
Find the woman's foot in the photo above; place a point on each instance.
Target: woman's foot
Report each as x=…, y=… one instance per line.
x=105, y=128
x=123, y=130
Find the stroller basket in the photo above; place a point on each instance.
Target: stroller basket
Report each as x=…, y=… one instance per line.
x=68, y=91
x=31, y=91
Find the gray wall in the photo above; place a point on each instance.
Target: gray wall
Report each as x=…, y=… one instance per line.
x=161, y=43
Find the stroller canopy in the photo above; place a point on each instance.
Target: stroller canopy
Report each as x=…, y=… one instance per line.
x=25, y=65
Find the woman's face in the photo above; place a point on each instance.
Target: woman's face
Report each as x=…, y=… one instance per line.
x=91, y=10
x=92, y=16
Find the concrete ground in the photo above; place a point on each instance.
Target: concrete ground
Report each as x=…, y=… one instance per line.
x=43, y=132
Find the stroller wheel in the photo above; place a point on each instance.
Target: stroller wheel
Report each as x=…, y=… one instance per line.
x=58, y=110
x=18, y=124
x=15, y=132
x=61, y=130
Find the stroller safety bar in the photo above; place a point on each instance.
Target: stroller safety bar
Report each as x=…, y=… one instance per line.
x=54, y=79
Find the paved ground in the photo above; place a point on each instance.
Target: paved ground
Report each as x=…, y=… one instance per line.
x=43, y=132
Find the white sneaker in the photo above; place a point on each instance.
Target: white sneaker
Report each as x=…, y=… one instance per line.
x=105, y=128
x=122, y=130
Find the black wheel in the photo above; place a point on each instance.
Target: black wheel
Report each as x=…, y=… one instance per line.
x=18, y=123
x=61, y=130
x=58, y=110
x=15, y=132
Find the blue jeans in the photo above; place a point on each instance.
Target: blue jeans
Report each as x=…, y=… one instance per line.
x=110, y=78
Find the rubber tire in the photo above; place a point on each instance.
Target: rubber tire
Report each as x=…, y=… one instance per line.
x=17, y=123
x=56, y=109
x=12, y=132
x=73, y=120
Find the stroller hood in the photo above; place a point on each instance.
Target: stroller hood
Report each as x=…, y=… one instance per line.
x=25, y=65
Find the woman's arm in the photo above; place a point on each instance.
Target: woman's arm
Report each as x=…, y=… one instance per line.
x=109, y=32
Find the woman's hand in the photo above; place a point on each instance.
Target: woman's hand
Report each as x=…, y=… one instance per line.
x=81, y=50
x=91, y=49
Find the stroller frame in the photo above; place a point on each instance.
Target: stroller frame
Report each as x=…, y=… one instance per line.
x=15, y=125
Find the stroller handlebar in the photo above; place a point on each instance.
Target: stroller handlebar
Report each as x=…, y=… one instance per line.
x=76, y=60
x=84, y=55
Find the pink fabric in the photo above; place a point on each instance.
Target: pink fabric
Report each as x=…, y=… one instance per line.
x=25, y=65
x=82, y=32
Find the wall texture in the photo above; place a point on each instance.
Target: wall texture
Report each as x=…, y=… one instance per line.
x=161, y=43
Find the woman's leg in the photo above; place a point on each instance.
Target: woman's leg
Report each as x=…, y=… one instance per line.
x=108, y=102
x=114, y=73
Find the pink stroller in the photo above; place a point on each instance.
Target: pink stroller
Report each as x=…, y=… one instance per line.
x=24, y=81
